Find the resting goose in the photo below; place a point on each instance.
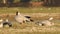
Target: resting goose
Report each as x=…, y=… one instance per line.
x=46, y=22
x=7, y=22
x=20, y=18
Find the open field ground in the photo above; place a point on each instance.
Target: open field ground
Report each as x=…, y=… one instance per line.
x=30, y=10
x=31, y=27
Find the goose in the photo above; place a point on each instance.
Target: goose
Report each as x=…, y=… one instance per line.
x=46, y=22
x=7, y=22
x=21, y=19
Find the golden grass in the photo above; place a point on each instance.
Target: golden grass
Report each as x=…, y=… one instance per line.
x=31, y=27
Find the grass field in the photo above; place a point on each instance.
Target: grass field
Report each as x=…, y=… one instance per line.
x=31, y=28
x=30, y=10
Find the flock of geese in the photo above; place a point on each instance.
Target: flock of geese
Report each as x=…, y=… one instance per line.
x=23, y=19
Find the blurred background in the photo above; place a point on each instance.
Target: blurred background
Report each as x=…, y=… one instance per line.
x=29, y=3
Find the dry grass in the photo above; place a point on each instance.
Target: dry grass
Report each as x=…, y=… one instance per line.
x=30, y=10
x=40, y=13
x=30, y=27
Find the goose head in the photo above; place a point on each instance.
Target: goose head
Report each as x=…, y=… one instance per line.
x=17, y=13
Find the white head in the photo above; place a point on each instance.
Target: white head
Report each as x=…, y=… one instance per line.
x=51, y=18
x=17, y=13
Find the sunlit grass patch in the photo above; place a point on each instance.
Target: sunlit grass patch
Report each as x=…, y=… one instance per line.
x=30, y=10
